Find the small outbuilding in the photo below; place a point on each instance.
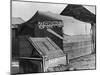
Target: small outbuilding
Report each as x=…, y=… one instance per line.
x=45, y=55
x=44, y=24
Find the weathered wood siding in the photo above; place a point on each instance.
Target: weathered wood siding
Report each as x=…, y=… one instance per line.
x=30, y=66
x=54, y=62
x=78, y=47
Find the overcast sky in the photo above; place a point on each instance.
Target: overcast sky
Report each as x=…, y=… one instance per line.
x=26, y=10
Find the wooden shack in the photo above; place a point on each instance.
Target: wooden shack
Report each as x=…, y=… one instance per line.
x=16, y=21
x=40, y=43
x=44, y=24
x=44, y=55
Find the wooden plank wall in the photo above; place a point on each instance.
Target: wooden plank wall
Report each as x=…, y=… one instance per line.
x=76, y=48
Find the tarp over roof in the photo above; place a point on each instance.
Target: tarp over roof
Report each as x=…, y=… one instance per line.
x=46, y=47
x=67, y=20
x=44, y=16
x=79, y=12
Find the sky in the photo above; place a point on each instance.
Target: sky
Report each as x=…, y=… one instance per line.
x=26, y=10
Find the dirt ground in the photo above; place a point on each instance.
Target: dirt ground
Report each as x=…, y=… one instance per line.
x=84, y=62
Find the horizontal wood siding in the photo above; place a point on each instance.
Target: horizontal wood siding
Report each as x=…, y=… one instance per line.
x=77, y=49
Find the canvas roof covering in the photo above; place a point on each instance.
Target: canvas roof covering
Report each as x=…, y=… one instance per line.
x=44, y=16
x=40, y=16
x=46, y=47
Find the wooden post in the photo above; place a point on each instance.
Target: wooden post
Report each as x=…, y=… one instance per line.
x=93, y=37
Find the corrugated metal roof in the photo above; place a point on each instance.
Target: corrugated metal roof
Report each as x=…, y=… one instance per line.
x=46, y=47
